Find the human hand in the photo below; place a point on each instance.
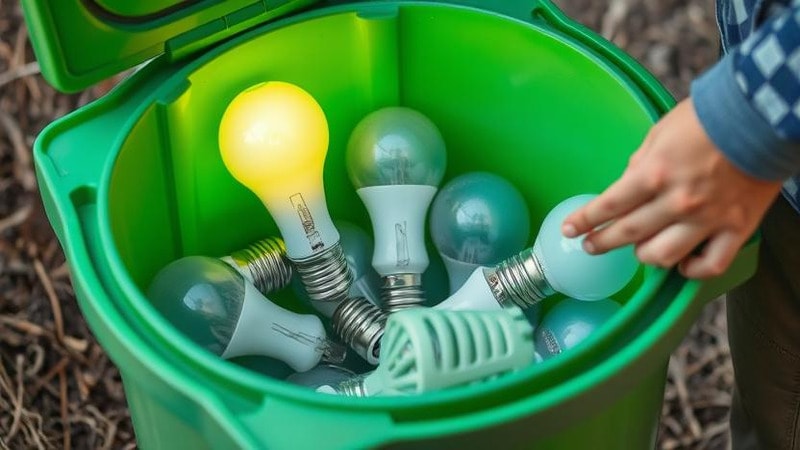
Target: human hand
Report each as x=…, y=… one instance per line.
x=679, y=191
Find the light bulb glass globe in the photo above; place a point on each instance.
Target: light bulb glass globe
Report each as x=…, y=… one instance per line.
x=396, y=146
x=213, y=305
x=569, y=323
x=569, y=269
x=358, y=250
x=322, y=375
x=273, y=139
x=396, y=158
x=477, y=219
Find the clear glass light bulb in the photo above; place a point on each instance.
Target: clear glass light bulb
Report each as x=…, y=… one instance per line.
x=554, y=264
x=569, y=323
x=396, y=158
x=426, y=350
x=477, y=219
x=322, y=375
x=216, y=307
x=273, y=139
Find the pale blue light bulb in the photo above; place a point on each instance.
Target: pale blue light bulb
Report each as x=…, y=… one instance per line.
x=477, y=219
x=396, y=146
x=571, y=322
x=569, y=269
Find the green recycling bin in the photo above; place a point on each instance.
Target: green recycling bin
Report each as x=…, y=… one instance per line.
x=135, y=180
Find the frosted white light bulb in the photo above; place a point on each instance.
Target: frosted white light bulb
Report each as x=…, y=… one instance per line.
x=554, y=264
x=396, y=159
x=273, y=139
x=477, y=219
x=213, y=305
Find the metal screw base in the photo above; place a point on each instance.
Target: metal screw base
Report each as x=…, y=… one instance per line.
x=519, y=280
x=267, y=264
x=360, y=324
x=402, y=291
x=354, y=387
x=326, y=276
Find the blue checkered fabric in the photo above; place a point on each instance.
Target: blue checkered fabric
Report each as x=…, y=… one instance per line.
x=763, y=39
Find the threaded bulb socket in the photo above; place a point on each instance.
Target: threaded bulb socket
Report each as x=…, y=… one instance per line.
x=267, y=264
x=325, y=276
x=360, y=324
x=402, y=291
x=519, y=280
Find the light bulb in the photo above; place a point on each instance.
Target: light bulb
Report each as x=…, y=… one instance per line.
x=358, y=249
x=264, y=264
x=216, y=307
x=426, y=350
x=477, y=219
x=554, y=264
x=396, y=159
x=273, y=139
x=360, y=324
x=569, y=323
x=322, y=375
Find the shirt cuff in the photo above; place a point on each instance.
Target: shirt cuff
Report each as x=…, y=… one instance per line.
x=738, y=130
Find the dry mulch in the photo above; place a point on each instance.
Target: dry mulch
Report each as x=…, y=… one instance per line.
x=59, y=390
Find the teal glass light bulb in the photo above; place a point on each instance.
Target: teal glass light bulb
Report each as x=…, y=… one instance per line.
x=569, y=323
x=571, y=271
x=396, y=159
x=358, y=249
x=477, y=219
x=212, y=304
x=395, y=146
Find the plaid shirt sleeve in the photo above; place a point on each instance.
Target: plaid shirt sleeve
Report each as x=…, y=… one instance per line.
x=749, y=102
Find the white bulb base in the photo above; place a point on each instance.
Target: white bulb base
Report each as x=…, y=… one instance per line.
x=265, y=328
x=474, y=295
x=458, y=272
x=326, y=276
x=397, y=214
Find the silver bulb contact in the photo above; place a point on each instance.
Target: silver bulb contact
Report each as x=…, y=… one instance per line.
x=354, y=387
x=360, y=324
x=519, y=280
x=325, y=276
x=402, y=291
x=267, y=264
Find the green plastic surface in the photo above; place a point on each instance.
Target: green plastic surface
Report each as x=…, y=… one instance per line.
x=81, y=42
x=134, y=181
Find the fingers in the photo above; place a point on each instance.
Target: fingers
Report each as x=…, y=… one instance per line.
x=715, y=257
x=672, y=244
x=634, y=227
x=624, y=195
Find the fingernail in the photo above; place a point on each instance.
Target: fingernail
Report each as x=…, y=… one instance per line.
x=569, y=230
x=589, y=247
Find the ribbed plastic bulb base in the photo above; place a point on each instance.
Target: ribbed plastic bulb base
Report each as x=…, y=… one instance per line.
x=325, y=276
x=519, y=280
x=360, y=324
x=402, y=291
x=267, y=264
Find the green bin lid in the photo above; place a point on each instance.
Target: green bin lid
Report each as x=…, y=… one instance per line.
x=81, y=42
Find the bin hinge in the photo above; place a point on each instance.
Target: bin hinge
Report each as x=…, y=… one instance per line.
x=219, y=29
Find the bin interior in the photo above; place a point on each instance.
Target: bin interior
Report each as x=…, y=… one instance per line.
x=517, y=100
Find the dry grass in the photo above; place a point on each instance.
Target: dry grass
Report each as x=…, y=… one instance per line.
x=59, y=390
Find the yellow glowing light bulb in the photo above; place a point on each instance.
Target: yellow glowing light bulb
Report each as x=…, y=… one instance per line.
x=273, y=139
